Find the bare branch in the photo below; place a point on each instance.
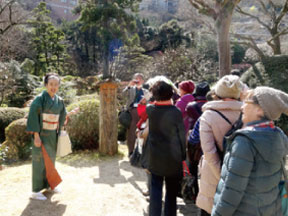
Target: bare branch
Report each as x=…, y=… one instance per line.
x=273, y=5
x=239, y=10
x=251, y=44
x=6, y=5
x=12, y=17
x=203, y=8
x=283, y=32
x=233, y=2
x=282, y=13
x=263, y=7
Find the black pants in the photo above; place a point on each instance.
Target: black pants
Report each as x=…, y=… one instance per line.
x=172, y=186
x=193, y=166
x=204, y=213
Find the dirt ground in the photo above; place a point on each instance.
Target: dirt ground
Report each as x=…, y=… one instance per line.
x=91, y=186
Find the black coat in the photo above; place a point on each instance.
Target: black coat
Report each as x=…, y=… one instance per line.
x=166, y=140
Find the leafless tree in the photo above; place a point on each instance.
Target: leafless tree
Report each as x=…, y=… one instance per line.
x=271, y=16
x=221, y=12
x=11, y=15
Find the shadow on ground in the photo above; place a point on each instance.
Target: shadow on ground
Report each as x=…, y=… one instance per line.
x=87, y=159
x=47, y=207
x=138, y=174
x=107, y=170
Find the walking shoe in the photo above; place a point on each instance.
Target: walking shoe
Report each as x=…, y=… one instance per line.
x=37, y=196
x=145, y=193
x=55, y=190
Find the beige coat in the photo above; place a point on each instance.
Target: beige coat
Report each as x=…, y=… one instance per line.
x=212, y=130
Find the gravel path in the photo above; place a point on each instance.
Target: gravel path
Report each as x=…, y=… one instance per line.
x=90, y=187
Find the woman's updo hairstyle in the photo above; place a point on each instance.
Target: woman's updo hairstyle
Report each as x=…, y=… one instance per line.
x=51, y=76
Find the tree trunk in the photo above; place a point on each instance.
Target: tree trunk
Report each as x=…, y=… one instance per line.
x=108, y=119
x=276, y=42
x=222, y=27
x=106, y=63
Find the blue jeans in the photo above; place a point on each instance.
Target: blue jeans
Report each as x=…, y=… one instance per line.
x=172, y=186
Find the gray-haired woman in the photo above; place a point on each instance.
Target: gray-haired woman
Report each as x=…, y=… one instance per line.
x=252, y=166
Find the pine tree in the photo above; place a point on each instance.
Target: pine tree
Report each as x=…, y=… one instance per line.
x=112, y=21
x=47, y=41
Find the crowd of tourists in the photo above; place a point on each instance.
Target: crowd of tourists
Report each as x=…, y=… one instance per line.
x=234, y=150
x=225, y=133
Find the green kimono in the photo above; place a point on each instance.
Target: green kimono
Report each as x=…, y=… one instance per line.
x=46, y=116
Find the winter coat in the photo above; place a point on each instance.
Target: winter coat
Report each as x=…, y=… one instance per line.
x=193, y=110
x=181, y=104
x=165, y=141
x=212, y=130
x=130, y=93
x=251, y=173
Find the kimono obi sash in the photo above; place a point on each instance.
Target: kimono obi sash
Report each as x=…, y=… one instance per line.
x=50, y=121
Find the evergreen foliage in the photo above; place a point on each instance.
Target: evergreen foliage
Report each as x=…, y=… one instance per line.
x=8, y=115
x=83, y=128
x=47, y=42
x=171, y=35
x=112, y=22
x=18, y=142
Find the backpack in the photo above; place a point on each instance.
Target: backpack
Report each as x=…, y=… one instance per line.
x=237, y=125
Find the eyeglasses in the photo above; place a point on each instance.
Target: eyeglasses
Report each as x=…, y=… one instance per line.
x=249, y=101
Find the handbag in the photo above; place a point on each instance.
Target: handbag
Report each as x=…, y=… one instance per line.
x=283, y=187
x=135, y=158
x=188, y=192
x=64, y=144
x=125, y=118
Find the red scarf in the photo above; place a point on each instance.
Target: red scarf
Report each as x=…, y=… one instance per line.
x=266, y=124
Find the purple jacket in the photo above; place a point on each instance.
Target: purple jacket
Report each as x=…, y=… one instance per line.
x=193, y=109
x=181, y=104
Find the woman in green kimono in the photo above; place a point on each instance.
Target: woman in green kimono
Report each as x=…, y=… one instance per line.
x=46, y=116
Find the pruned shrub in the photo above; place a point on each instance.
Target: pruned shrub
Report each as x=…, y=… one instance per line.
x=83, y=128
x=238, y=53
x=18, y=142
x=8, y=115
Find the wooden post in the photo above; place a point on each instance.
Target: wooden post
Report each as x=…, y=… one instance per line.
x=108, y=120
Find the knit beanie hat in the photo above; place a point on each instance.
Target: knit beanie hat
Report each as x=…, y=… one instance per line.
x=187, y=86
x=273, y=101
x=228, y=86
x=202, y=89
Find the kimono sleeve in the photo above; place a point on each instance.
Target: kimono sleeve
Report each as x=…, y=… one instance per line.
x=33, y=121
x=63, y=114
